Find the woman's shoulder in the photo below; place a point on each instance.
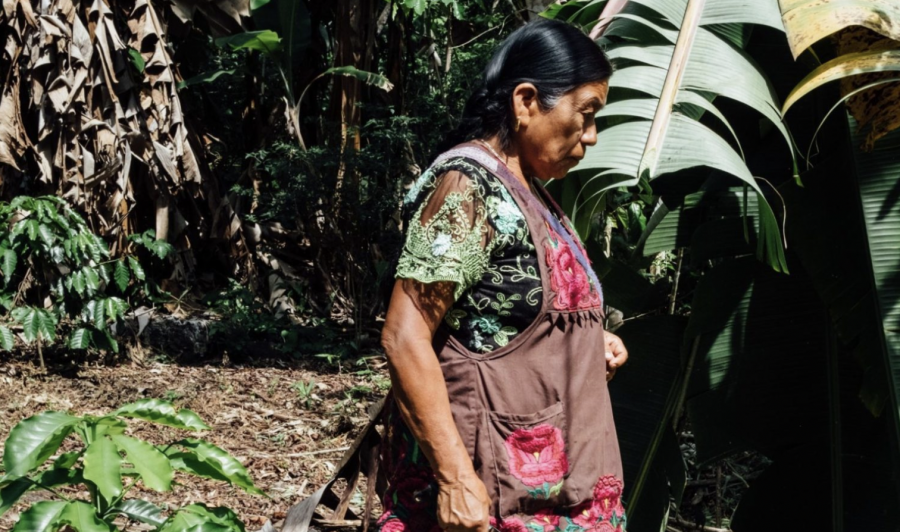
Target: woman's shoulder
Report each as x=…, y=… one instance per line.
x=456, y=172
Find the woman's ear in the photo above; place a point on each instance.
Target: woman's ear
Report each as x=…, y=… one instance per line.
x=525, y=103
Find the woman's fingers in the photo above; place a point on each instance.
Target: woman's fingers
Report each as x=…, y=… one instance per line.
x=616, y=347
x=616, y=354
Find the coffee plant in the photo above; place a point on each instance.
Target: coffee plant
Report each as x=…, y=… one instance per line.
x=55, y=268
x=108, y=464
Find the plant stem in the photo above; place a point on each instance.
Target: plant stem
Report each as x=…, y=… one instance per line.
x=51, y=490
x=41, y=354
x=673, y=298
x=679, y=405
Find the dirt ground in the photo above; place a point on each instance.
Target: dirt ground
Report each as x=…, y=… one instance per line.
x=288, y=422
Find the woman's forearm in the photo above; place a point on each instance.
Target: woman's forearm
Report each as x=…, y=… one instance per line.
x=421, y=395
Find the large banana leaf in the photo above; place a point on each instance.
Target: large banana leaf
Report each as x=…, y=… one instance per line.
x=643, y=397
x=760, y=381
x=670, y=68
x=807, y=22
x=845, y=229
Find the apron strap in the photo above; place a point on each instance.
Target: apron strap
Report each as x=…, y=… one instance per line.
x=491, y=163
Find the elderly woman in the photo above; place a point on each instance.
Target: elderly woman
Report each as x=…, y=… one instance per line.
x=501, y=418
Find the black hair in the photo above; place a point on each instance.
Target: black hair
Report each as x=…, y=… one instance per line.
x=554, y=56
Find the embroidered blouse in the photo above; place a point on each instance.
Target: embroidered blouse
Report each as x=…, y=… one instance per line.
x=464, y=227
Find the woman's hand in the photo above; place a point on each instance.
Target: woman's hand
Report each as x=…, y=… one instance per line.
x=463, y=505
x=415, y=311
x=616, y=354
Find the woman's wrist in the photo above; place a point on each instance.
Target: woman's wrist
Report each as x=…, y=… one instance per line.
x=455, y=471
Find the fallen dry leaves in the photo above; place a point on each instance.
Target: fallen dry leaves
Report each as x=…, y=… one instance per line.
x=256, y=414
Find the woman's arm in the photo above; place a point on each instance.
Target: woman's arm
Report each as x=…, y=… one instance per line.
x=414, y=313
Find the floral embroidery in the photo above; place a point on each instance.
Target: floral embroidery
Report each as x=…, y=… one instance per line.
x=603, y=513
x=546, y=520
x=441, y=245
x=586, y=514
x=507, y=217
x=537, y=457
x=410, y=502
x=489, y=324
x=607, y=494
x=510, y=524
x=568, y=279
x=393, y=525
x=478, y=341
x=476, y=236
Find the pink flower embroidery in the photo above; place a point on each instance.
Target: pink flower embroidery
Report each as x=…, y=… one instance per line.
x=537, y=456
x=567, y=277
x=604, y=526
x=510, y=524
x=547, y=519
x=607, y=495
x=393, y=525
x=586, y=514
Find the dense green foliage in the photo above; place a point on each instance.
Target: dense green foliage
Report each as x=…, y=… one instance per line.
x=49, y=254
x=308, y=125
x=757, y=360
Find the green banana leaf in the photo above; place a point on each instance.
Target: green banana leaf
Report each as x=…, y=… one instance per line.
x=845, y=229
x=643, y=395
x=651, y=125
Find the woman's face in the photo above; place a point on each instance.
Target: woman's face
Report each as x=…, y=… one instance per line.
x=550, y=143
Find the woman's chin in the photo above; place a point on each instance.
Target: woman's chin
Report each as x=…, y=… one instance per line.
x=566, y=167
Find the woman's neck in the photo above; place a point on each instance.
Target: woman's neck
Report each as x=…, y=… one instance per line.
x=511, y=158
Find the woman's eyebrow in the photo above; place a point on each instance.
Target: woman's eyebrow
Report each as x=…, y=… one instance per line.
x=594, y=102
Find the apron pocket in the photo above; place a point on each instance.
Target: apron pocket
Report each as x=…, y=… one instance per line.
x=530, y=460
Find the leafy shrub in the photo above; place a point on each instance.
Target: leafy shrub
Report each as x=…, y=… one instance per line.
x=53, y=267
x=109, y=464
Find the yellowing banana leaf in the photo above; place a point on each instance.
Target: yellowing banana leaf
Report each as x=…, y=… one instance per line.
x=844, y=66
x=809, y=21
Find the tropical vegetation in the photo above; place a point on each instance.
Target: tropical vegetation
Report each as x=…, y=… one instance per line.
x=109, y=463
x=741, y=208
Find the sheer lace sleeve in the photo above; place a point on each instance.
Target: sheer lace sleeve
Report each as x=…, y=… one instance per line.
x=448, y=234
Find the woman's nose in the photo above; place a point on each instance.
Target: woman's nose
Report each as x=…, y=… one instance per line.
x=589, y=137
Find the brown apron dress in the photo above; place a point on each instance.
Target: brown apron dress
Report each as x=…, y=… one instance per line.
x=535, y=414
